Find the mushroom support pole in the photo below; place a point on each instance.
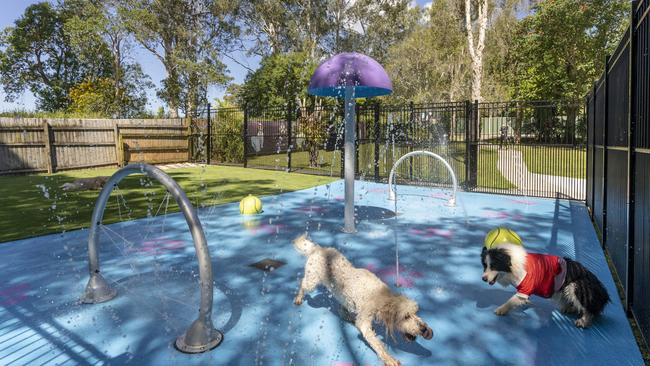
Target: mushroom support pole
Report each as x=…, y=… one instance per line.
x=350, y=137
x=391, y=176
x=201, y=336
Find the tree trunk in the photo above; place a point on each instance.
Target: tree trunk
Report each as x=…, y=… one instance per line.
x=570, y=129
x=476, y=50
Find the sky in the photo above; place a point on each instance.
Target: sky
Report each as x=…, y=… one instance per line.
x=13, y=9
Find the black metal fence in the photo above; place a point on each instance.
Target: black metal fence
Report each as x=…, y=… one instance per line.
x=618, y=162
x=518, y=147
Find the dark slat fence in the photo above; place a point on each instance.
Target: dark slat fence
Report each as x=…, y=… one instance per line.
x=618, y=162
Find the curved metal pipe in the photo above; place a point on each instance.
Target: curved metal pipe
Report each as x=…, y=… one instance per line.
x=201, y=336
x=391, y=176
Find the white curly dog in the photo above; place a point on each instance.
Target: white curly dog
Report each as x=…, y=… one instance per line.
x=362, y=294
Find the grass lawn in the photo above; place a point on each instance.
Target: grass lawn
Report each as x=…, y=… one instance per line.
x=488, y=173
x=551, y=160
x=35, y=205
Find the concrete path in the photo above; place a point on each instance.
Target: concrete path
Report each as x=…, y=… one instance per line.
x=512, y=166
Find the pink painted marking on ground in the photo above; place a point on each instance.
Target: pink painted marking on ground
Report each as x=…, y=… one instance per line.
x=407, y=278
x=267, y=229
x=339, y=198
x=501, y=215
x=431, y=232
x=14, y=294
x=317, y=209
x=440, y=195
x=523, y=202
x=158, y=245
x=377, y=190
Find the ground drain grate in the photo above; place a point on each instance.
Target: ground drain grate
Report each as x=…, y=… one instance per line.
x=267, y=264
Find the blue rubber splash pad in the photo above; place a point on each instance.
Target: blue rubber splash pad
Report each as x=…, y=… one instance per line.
x=152, y=264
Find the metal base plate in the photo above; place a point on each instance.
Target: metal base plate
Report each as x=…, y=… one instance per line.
x=217, y=338
x=108, y=295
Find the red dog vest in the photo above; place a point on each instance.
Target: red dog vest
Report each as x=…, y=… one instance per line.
x=544, y=275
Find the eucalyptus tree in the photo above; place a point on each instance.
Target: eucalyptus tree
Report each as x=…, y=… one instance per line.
x=560, y=49
x=37, y=55
x=189, y=37
x=97, y=31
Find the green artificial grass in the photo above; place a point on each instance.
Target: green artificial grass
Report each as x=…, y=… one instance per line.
x=555, y=160
x=35, y=204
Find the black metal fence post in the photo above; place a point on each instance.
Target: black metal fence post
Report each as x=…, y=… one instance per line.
x=410, y=139
x=593, y=154
x=356, y=140
x=468, y=116
x=377, y=131
x=473, y=127
x=605, y=145
x=244, y=133
x=631, y=158
x=289, y=136
x=209, y=144
x=342, y=150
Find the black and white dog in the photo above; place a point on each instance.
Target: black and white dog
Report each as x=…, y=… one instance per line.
x=577, y=290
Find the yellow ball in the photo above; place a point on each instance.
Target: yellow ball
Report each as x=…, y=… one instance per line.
x=501, y=235
x=250, y=205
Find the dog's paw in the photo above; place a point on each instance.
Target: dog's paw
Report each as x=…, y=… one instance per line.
x=582, y=323
x=297, y=301
x=501, y=310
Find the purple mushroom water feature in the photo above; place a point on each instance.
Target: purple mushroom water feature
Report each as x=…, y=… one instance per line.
x=350, y=75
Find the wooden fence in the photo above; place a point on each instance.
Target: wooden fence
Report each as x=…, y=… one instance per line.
x=29, y=145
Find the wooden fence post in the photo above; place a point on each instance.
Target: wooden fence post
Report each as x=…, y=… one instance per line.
x=118, y=152
x=47, y=139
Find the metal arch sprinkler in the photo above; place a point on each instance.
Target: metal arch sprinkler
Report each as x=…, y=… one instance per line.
x=201, y=336
x=391, y=176
x=350, y=75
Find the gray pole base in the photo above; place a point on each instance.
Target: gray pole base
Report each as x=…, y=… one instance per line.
x=97, y=290
x=198, y=338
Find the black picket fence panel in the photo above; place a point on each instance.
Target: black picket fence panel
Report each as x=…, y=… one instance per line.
x=534, y=148
x=618, y=162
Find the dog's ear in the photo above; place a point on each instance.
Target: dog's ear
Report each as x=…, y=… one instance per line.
x=388, y=314
x=500, y=260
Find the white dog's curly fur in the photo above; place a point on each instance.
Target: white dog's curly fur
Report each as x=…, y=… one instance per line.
x=361, y=293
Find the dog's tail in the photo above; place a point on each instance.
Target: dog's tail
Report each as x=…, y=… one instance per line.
x=303, y=245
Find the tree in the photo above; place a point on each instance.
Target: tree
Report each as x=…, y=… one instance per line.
x=37, y=56
x=265, y=22
x=97, y=31
x=380, y=24
x=476, y=46
x=280, y=79
x=189, y=38
x=440, y=70
x=561, y=48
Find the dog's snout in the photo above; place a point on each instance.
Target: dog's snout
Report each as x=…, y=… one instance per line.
x=484, y=278
x=426, y=332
